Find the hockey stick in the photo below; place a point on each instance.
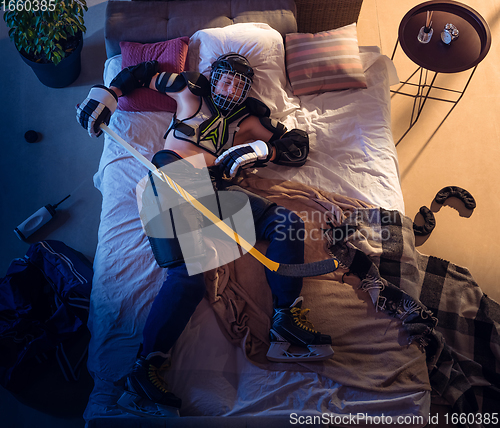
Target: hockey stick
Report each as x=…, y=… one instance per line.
x=296, y=270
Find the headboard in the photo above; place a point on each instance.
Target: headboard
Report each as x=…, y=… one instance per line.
x=320, y=15
x=154, y=21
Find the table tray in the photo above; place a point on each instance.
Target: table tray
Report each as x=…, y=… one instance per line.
x=462, y=54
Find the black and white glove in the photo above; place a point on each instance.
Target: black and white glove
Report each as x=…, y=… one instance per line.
x=97, y=108
x=244, y=156
x=135, y=76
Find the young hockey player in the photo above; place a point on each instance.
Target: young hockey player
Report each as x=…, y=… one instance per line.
x=233, y=131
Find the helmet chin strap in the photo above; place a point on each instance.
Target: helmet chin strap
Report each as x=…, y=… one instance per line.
x=321, y=267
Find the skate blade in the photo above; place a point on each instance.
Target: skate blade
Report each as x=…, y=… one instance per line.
x=278, y=352
x=133, y=403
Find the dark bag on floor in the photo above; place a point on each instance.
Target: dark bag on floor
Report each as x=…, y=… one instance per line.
x=44, y=304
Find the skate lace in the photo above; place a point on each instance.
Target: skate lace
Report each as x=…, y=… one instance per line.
x=300, y=318
x=155, y=379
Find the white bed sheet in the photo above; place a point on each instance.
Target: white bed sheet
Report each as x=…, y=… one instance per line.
x=352, y=150
x=352, y=153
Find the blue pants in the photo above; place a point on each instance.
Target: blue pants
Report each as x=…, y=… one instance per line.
x=180, y=294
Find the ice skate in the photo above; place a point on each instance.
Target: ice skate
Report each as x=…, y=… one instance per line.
x=290, y=327
x=146, y=394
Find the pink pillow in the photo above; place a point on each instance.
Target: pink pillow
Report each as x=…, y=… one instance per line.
x=172, y=57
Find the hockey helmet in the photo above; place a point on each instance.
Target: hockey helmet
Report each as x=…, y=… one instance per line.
x=237, y=72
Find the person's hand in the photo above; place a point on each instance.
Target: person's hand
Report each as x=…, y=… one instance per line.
x=243, y=156
x=97, y=108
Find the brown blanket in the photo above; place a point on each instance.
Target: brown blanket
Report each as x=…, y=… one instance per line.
x=371, y=348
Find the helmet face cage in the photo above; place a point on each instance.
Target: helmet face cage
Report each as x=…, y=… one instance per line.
x=229, y=100
x=236, y=68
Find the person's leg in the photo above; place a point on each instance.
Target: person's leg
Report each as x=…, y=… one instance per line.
x=172, y=308
x=146, y=393
x=285, y=232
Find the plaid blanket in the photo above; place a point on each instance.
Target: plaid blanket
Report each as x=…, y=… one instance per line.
x=439, y=304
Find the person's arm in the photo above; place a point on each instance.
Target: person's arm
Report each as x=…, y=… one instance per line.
x=171, y=83
x=137, y=76
x=101, y=102
x=283, y=148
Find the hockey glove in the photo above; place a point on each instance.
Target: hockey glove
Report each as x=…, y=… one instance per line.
x=136, y=76
x=97, y=108
x=243, y=156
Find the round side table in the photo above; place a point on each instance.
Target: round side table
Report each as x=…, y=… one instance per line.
x=463, y=53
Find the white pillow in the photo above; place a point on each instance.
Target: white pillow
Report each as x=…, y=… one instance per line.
x=262, y=46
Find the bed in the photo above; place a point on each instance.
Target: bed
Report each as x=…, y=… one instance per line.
x=350, y=183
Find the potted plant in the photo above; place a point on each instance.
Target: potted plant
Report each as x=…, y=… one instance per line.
x=49, y=36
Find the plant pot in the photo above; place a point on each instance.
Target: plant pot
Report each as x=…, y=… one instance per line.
x=62, y=74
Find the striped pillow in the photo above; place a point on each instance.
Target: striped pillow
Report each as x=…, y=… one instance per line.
x=326, y=61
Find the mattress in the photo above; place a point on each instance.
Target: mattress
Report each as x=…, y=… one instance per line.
x=352, y=154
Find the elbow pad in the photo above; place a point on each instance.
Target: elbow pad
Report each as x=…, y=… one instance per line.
x=172, y=82
x=136, y=76
x=277, y=128
x=292, y=148
x=259, y=109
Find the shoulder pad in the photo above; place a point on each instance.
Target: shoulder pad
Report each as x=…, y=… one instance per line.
x=257, y=108
x=197, y=83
